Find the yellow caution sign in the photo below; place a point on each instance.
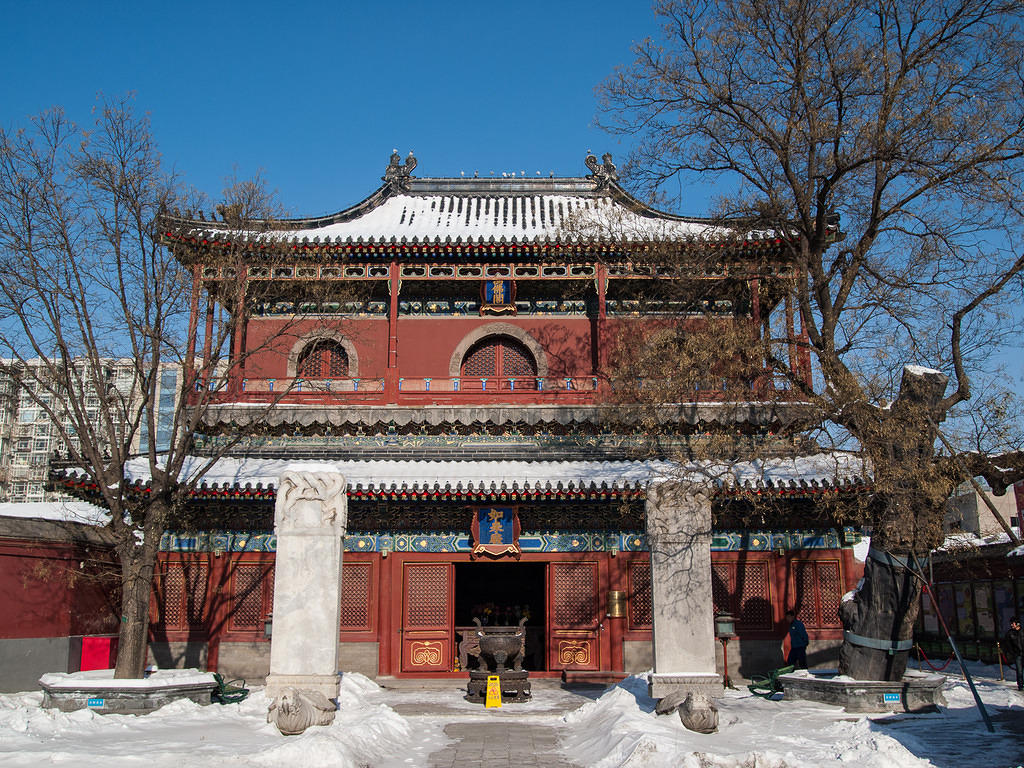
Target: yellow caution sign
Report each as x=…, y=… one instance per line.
x=493, y=691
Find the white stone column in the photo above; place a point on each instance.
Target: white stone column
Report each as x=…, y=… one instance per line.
x=679, y=536
x=310, y=517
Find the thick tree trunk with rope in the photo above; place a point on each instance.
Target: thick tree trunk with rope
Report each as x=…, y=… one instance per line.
x=878, y=622
x=911, y=485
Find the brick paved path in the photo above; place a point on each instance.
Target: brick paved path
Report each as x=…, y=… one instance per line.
x=515, y=736
x=500, y=744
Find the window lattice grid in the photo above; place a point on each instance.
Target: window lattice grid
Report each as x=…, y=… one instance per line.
x=830, y=591
x=516, y=361
x=247, y=598
x=755, y=608
x=173, y=598
x=806, y=594
x=742, y=590
x=481, y=361
x=426, y=595
x=501, y=358
x=575, y=594
x=323, y=360
x=641, y=603
x=722, y=585
x=355, y=596
x=195, y=595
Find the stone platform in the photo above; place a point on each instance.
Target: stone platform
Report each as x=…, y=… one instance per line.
x=916, y=692
x=99, y=691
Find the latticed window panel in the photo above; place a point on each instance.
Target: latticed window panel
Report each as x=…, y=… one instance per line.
x=516, y=360
x=819, y=589
x=324, y=359
x=247, y=598
x=196, y=579
x=575, y=594
x=426, y=595
x=641, y=602
x=742, y=590
x=806, y=594
x=722, y=586
x=171, y=602
x=482, y=360
x=754, y=598
x=500, y=357
x=830, y=589
x=355, y=596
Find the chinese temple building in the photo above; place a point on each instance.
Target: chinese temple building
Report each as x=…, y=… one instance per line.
x=444, y=345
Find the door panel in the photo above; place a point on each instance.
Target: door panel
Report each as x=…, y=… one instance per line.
x=427, y=617
x=574, y=616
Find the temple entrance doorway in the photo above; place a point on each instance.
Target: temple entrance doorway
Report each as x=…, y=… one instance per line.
x=501, y=594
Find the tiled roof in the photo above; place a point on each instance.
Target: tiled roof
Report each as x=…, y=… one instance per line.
x=479, y=211
x=424, y=480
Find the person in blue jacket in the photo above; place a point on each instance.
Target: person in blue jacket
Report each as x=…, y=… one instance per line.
x=798, y=641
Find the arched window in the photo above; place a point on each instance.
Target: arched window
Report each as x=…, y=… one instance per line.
x=503, y=358
x=323, y=359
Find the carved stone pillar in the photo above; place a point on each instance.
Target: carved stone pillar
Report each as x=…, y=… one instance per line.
x=679, y=535
x=309, y=518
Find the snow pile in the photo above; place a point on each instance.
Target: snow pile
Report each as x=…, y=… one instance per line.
x=102, y=678
x=186, y=735
x=621, y=730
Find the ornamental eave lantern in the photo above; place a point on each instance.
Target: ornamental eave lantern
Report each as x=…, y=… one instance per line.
x=268, y=626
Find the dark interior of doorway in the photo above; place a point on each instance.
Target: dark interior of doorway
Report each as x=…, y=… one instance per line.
x=496, y=592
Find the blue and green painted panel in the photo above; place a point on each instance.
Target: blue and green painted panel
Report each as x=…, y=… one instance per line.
x=622, y=541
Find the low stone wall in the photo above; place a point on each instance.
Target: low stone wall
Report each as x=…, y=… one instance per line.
x=180, y=655
x=248, y=661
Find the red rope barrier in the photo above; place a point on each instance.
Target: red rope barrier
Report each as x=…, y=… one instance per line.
x=929, y=663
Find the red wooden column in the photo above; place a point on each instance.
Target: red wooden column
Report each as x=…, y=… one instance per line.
x=616, y=625
x=794, y=360
x=208, y=339
x=600, y=325
x=193, y=327
x=386, y=630
x=238, y=329
x=391, y=374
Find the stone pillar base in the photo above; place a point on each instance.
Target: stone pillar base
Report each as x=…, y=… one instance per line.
x=661, y=685
x=325, y=684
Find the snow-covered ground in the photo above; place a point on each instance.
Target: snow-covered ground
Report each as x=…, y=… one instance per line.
x=619, y=728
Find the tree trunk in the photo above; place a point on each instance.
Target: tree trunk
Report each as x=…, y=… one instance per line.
x=138, y=562
x=911, y=490
x=879, y=620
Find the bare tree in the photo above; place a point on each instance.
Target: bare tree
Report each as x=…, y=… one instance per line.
x=902, y=121
x=95, y=310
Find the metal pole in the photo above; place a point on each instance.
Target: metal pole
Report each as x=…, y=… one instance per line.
x=959, y=658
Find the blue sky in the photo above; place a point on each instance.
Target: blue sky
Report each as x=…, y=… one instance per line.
x=318, y=93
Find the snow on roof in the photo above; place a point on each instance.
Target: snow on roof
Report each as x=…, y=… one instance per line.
x=480, y=218
x=61, y=511
x=823, y=468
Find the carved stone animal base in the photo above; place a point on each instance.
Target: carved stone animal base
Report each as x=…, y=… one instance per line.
x=325, y=684
x=515, y=687
x=916, y=692
x=662, y=685
x=696, y=711
x=295, y=710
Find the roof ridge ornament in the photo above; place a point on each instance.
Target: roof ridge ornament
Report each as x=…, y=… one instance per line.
x=603, y=173
x=396, y=176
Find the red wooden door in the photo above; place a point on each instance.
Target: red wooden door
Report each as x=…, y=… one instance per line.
x=427, y=591
x=574, y=616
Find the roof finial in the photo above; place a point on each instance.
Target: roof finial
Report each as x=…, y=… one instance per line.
x=603, y=173
x=396, y=175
